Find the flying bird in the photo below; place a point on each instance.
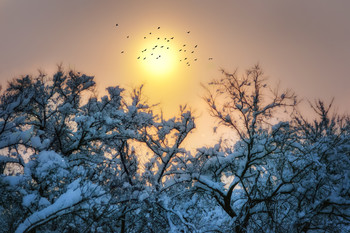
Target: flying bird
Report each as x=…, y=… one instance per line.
x=188, y=32
x=210, y=58
x=122, y=52
x=158, y=28
x=116, y=25
x=127, y=36
x=144, y=37
x=138, y=57
x=195, y=46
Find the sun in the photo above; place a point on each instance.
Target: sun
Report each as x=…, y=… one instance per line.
x=158, y=56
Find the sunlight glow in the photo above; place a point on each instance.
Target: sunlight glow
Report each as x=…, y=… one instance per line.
x=158, y=58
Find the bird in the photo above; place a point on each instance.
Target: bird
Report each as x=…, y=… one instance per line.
x=162, y=46
x=122, y=52
x=167, y=47
x=158, y=38
x=144, y=58
x=116, y=25
x=184, y=45
x=158, y=28
x=195, y=59
x=127, y=36
x=168, y=41
x=188, y=32
x=138, y=57
x=192, y=52
x=152, y=54
x=172, y=38
x=195, y=46
x=150, y=33
x=210, y=58
x=185, y=50
x=185, y=58
x=180, y=50
x=144, y=37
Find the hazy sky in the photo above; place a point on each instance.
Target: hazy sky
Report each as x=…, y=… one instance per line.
x=302, y=44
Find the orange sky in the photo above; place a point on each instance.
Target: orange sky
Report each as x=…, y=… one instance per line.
x=302, y=44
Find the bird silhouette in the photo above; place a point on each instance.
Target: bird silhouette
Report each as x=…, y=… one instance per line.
x=158, y=38
x=138, y=57
x=116, y=25
x=158, y=28
x=185, y=58
x=184, y=45
x=210, y=58
x=150, y=33
x=195, y=46
x=167, y=47
x=195, y=59
x=185, y=50
x=162, y=46
x=172, y=38
x=144, y=58
x=188, y=32
x=127, y=36
x=144, y=37
x=122, y=52
x=180, y=50
x=192, y=52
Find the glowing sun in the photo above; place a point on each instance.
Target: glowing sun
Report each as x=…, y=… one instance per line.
x=158, y=56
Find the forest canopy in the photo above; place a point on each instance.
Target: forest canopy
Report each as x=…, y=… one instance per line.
x=69, y=163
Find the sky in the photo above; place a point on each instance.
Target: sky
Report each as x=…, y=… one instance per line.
x=302, y=45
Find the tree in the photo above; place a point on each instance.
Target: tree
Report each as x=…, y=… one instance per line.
x=272, y=179
x=82, y=167
x=72, y=162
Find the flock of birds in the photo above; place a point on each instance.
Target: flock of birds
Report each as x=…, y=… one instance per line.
x=186, y=52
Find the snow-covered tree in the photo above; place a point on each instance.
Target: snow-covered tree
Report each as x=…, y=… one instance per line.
x=263, y=182
x=80, y=162
x=72, y=162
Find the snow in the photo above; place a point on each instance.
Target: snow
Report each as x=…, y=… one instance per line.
x=49, y=161
x=60, y=207
x=28, y=200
